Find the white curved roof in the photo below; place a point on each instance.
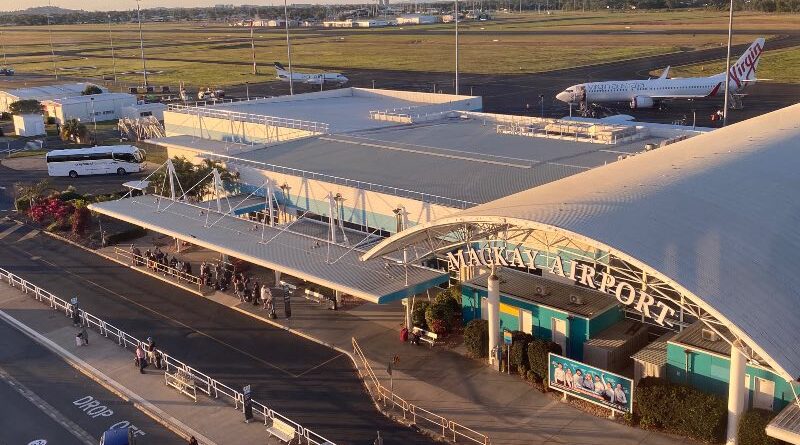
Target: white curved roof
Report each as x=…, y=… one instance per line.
x=717, y=215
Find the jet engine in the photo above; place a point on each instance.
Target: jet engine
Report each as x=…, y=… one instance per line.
x=642, y=102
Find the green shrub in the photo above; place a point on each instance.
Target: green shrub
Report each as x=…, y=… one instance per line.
x=476, y=338
x=681, y=409
x=451, y=297
x=437, y=326
x=751, y=428
x=538, y=349
x=519, y=349
x=125, y=235
x=23, y=204
x=438, y=311
x=418, y=314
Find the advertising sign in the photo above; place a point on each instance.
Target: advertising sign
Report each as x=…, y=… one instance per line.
x=507, y=337
x=248, y=403
x=591, y=384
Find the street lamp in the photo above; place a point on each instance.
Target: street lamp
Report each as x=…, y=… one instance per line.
x=455, y=9
x=141, y=43
x=113, y=58
x=728, y=67
x=288, y=47
x=94, y=120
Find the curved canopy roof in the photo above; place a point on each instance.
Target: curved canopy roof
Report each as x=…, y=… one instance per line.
x=717, y=216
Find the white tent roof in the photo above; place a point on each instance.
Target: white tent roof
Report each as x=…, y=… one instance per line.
x=295, y=254
x=716, y=216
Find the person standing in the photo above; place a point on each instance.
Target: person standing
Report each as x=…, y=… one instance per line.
x=256, y=291
x=141, y=359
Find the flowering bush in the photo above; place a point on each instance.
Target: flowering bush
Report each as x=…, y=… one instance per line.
x=439, y=327
x=51, y=209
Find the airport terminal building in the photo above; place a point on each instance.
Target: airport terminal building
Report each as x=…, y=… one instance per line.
x=648, y=249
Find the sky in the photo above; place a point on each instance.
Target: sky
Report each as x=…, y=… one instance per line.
x=121, y=5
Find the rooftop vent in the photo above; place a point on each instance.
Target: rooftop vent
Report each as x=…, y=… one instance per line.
x=709, y=335
x=576, y=299
x=542, y=290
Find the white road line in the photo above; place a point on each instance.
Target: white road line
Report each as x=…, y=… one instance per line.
x=320, y=365
x=29, y=235
x=48, y=409
x=10, y=230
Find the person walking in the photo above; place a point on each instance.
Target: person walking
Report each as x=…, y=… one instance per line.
x=141, y=359
x=151, y=351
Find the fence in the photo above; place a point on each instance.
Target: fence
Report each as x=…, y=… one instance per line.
x=140, y=260
x=203, y=383
x=297, y=124
x=419, y=416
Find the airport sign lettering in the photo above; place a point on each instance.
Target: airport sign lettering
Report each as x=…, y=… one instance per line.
x=585, y=274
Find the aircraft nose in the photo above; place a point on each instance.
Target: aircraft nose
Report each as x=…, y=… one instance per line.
x=564, y=97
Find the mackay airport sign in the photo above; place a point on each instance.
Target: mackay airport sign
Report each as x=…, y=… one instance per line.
x=585, y=274
x=589, y=383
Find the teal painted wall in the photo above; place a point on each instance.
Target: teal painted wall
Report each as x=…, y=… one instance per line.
x=577, y=327
x=711, y=373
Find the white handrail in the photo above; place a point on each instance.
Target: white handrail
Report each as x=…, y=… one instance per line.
x=204, y=383
x=436, y=422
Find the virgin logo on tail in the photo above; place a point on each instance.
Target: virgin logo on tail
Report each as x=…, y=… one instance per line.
x=745, y=68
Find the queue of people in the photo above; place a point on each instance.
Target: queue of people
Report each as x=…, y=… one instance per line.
x=159, y=261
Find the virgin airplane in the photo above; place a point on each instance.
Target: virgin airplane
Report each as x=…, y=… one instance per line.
x=649, y=93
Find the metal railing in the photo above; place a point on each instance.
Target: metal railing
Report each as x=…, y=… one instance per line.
x=361, y=185
x=155, y=266
x=275, y=121
x=203, y=383
x=419, y=416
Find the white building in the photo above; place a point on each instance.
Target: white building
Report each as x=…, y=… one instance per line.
x=29, y=124
x=143, y=110
x=42, y=93
x=418, y=19
x=103, y=107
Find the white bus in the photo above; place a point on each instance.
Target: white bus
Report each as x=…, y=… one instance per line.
x=119, y=159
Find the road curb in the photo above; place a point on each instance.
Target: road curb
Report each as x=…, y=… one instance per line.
x=156, y=413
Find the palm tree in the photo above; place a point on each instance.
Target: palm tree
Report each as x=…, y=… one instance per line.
x=190, y=174
x=31, y=192
x=73, y=130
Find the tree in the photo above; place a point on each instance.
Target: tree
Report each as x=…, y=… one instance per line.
x=28, y=193
x=73, y=130
x=80, y=220
x=27, y=106
x=91, y=89
x=190, y=174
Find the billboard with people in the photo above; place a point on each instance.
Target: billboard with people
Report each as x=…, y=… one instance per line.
x=589, y=383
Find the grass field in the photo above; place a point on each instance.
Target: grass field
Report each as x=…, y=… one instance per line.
x=218, y=55
x=779, y=66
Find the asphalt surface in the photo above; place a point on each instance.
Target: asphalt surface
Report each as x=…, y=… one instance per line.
x=43, y=397
x=95, y=184
x=311, y=384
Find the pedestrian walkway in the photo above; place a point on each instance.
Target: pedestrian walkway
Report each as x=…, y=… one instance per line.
x=440, y=379
x=211, y=421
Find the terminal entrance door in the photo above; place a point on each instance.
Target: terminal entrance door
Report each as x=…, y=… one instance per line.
x=764, y=394
x=560, y=334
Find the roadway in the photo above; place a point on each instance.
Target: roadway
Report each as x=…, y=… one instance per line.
x=310, y=383
x=46, y=398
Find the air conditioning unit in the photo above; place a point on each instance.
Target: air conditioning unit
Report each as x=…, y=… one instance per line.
x=576, y=299
x=542, y=290
x=709, y=335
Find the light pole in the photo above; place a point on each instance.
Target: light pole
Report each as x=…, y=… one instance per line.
x=3, y=42
x=541, y=101
x=141, y=43
x=288, y=47
x=728, y=67
x=113, y=58
x=253, y=47
x=455, y=9
x=94, y=120
x=52, y=50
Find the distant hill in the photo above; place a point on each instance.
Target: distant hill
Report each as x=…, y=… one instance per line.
x=43, y=10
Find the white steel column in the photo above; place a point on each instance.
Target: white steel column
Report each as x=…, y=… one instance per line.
x=736, y=389
x=269, y=204
x=493, y=306
x=332, y=219
x=277, y=274
x=407, y=301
